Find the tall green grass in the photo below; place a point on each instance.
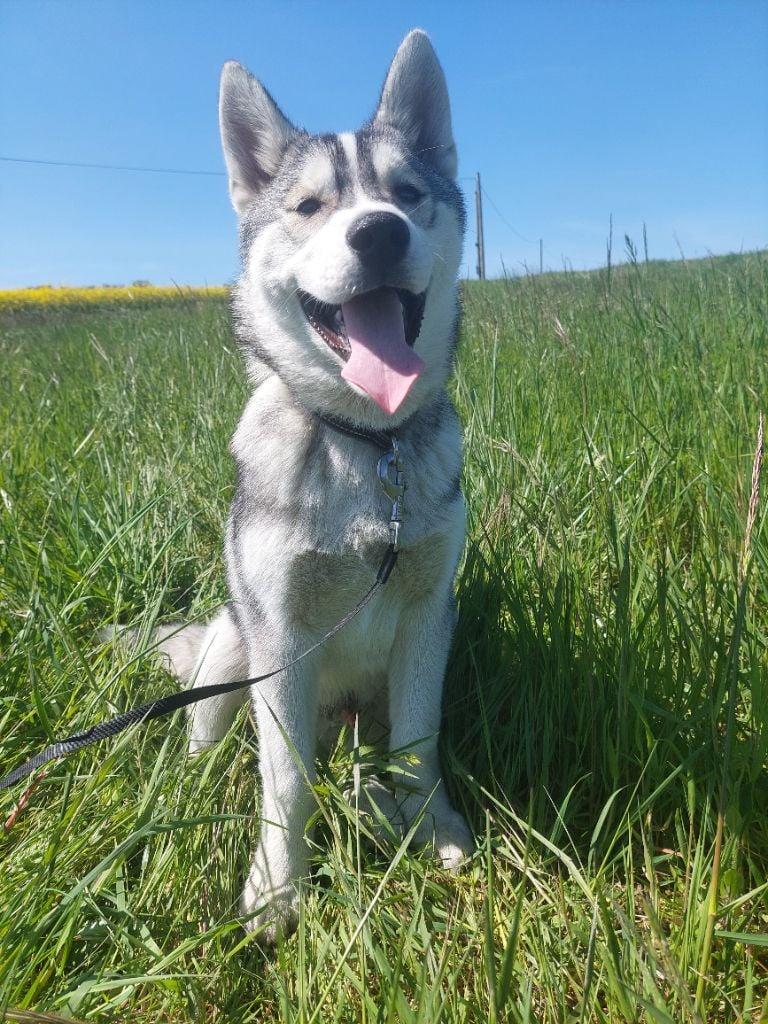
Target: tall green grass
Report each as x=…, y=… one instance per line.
x=610, y=424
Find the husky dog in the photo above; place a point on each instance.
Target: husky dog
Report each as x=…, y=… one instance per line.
x=346, y=312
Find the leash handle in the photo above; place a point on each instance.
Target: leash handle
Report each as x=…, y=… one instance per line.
x=183, y=698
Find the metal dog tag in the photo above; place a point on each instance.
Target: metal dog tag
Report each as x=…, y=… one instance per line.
x=392, y=477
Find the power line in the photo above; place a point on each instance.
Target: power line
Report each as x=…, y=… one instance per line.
x=209, y=174
x=504, y=219
x=109, y=167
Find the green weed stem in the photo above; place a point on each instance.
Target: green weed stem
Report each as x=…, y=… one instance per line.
x=713, y=897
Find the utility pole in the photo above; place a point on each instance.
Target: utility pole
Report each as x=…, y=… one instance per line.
x=480, y=239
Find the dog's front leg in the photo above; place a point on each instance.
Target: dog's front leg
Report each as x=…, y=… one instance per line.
x=286, y=710
x=416, y=676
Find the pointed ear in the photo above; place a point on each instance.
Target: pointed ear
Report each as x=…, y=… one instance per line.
x=254, y=133
x=415, y=101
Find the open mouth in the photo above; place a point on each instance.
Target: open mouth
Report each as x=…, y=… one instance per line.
x=328, y=320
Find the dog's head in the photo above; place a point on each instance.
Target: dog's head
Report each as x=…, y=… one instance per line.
x=351, y=243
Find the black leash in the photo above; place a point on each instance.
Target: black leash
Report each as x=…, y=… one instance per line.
x=391, y=478
x=165, y=705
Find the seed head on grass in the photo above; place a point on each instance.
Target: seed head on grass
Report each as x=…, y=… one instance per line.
x=754, y=499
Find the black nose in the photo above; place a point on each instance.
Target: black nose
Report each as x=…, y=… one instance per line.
x=380, y=239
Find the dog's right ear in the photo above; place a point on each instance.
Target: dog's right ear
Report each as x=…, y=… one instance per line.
x=254, y=133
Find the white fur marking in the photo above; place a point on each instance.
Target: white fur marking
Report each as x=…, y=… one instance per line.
x=349, y=145
x=317, y=176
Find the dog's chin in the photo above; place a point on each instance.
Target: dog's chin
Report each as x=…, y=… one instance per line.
x=327, y=320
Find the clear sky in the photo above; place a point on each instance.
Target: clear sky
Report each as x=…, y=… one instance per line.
x=573, y=112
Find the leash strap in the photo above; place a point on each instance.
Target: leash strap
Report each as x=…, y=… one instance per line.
x=165, y=705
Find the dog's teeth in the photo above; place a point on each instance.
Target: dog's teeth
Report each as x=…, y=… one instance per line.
x=338, y=324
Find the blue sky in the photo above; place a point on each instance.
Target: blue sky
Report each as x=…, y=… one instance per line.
x=573, y=112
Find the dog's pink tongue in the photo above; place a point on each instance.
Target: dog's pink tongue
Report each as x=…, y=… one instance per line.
x=382, y=363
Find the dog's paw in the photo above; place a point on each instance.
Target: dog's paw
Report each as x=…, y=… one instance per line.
x=270, y=914
x=453, y=843
x=198, y=746
x=448, y=839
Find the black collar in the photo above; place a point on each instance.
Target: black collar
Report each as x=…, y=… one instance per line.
x=380, y=438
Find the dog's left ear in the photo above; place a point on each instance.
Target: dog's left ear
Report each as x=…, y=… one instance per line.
x=414, y=100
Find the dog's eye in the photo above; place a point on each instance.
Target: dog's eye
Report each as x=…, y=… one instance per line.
x=308, y=206
x=407, y=194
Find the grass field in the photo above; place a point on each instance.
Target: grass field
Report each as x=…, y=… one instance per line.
x=606, y=713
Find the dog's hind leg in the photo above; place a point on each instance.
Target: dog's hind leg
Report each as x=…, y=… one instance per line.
x=220, y=658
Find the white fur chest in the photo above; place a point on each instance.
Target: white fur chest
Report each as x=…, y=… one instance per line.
x=320, y=489
x=310, y=523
